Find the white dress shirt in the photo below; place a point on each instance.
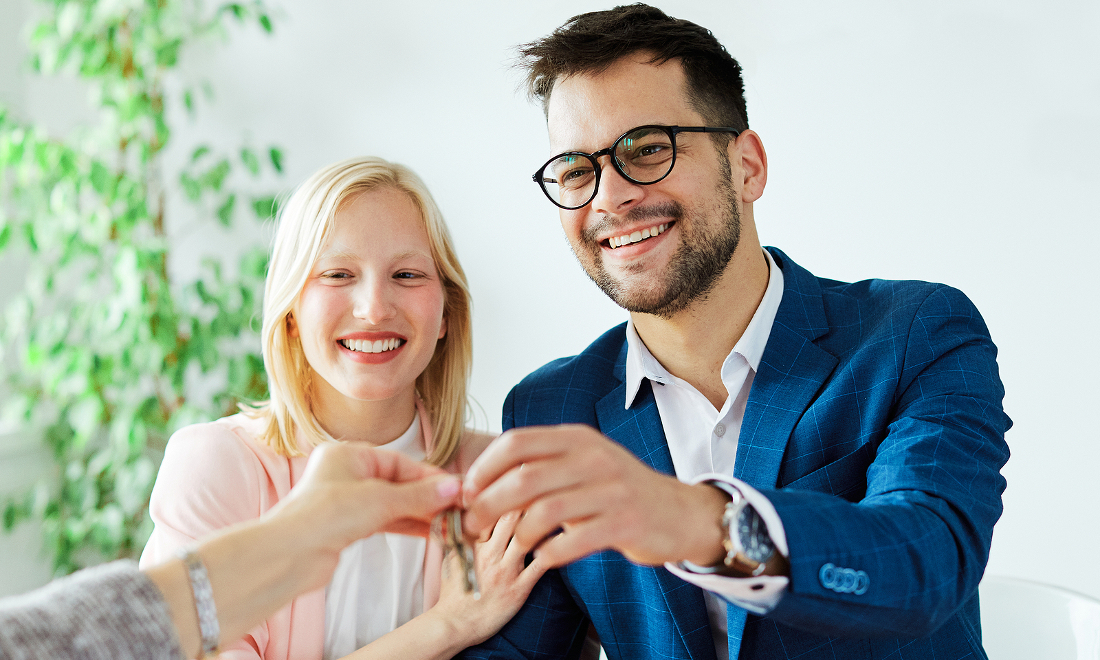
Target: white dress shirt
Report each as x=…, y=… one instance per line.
x=379, y=581
x=703, y=445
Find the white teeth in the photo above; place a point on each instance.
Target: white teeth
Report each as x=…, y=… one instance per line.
x=376, y=346
x=627, y=239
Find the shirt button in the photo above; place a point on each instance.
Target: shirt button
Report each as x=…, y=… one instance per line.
x=720, y=430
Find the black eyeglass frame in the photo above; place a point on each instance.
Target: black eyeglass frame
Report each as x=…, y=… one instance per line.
x=671, y=131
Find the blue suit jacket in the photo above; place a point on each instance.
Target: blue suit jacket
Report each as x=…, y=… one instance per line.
x=875, y=427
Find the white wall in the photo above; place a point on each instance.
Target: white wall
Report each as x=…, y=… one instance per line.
x=947, y=140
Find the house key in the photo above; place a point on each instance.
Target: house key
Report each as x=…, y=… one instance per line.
x=454, y=540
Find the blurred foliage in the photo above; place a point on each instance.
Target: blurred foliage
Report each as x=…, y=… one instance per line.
x=102, y=349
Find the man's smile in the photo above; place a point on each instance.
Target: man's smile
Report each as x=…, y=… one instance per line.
x=637, y=236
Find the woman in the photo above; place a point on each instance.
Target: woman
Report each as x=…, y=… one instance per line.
x=366, y=338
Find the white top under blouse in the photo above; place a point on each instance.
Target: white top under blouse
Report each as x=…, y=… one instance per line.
x=379, y=581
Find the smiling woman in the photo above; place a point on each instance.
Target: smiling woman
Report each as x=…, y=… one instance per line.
x=370, y=315
x=366, y=339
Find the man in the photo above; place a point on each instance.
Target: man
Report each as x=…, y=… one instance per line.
x=764, y=463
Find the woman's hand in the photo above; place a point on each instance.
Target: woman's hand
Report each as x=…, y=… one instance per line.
x=503, y=580
x=349, y=491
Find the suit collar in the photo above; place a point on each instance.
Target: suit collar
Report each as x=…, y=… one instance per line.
x=802, y=309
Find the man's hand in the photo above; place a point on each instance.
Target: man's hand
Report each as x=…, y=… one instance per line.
x=350, y=491
x=573, y=478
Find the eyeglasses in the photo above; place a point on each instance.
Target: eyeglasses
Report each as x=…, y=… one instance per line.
x=642, y=155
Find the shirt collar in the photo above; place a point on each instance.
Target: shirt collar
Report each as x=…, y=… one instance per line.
x=640, y=363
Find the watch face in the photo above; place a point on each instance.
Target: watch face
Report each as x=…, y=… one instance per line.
x=755, y=542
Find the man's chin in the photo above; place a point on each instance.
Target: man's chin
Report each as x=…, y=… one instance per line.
x=637, y=298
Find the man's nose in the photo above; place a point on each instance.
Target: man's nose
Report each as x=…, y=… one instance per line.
x=615, y=192
x=374, y=301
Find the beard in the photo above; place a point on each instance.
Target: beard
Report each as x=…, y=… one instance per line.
x=692, y=271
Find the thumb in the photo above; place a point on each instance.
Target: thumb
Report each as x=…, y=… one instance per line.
x=410, y=506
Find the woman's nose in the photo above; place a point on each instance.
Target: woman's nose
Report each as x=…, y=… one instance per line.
x=374, y=301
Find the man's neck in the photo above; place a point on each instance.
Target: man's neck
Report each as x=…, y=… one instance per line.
x=693, y=344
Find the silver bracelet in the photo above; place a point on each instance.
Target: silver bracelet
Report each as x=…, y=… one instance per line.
x=209, y=629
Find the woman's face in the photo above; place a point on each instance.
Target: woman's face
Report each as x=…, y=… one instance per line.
x=371, y=311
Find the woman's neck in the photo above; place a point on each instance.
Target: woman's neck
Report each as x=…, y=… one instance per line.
x=374, y=422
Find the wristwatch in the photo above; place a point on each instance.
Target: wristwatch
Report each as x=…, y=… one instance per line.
x=750, y=551
x=748, y=546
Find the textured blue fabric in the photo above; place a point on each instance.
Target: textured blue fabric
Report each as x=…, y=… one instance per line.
x=875, y=427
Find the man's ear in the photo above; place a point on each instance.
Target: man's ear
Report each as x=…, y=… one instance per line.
x=291, y=325
x=748, y=149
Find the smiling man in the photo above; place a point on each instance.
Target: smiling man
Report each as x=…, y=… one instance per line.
x=761, y=463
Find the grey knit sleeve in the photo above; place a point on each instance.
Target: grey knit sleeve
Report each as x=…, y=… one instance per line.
x=109, y=611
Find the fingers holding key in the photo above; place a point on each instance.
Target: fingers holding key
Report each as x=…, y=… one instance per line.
x=600, y=495
x=504, y=580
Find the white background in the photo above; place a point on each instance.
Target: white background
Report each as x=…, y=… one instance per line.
x=947, y=140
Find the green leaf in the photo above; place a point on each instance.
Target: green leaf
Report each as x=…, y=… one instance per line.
x=237, y=10
x=265, y=23
x=100, y=177
x=254, y=264
x=199, y=153
x=168, y=53
x=215, y=176
x=225, y=211
x=276, y=159
x=248, y=157
x=265, y=207
x=191, y=187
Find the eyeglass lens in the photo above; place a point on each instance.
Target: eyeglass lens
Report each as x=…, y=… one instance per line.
x=644, y=155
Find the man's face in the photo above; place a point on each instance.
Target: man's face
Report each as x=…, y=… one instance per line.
x=692, y=216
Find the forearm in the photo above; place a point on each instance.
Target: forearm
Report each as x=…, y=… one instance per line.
x=254, y=568
x=430, y=636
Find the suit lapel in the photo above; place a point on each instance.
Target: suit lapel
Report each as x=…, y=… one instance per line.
x=791, y=372
x=639, y=430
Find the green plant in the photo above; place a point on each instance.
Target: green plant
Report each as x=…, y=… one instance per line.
x=103, y=350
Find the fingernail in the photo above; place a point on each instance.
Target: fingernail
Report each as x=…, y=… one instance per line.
x=448, y=488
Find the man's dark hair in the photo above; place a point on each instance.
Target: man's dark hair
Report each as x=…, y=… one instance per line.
x=590, y=43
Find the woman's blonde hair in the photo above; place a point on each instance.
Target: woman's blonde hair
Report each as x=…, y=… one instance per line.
x=304, y=223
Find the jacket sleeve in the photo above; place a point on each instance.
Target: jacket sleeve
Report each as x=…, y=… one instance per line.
x=896, y=537
x=109, y=611
x=209, y=479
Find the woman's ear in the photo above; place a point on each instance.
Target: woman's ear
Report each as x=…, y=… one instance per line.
x=291, y=325
x=443, y=327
